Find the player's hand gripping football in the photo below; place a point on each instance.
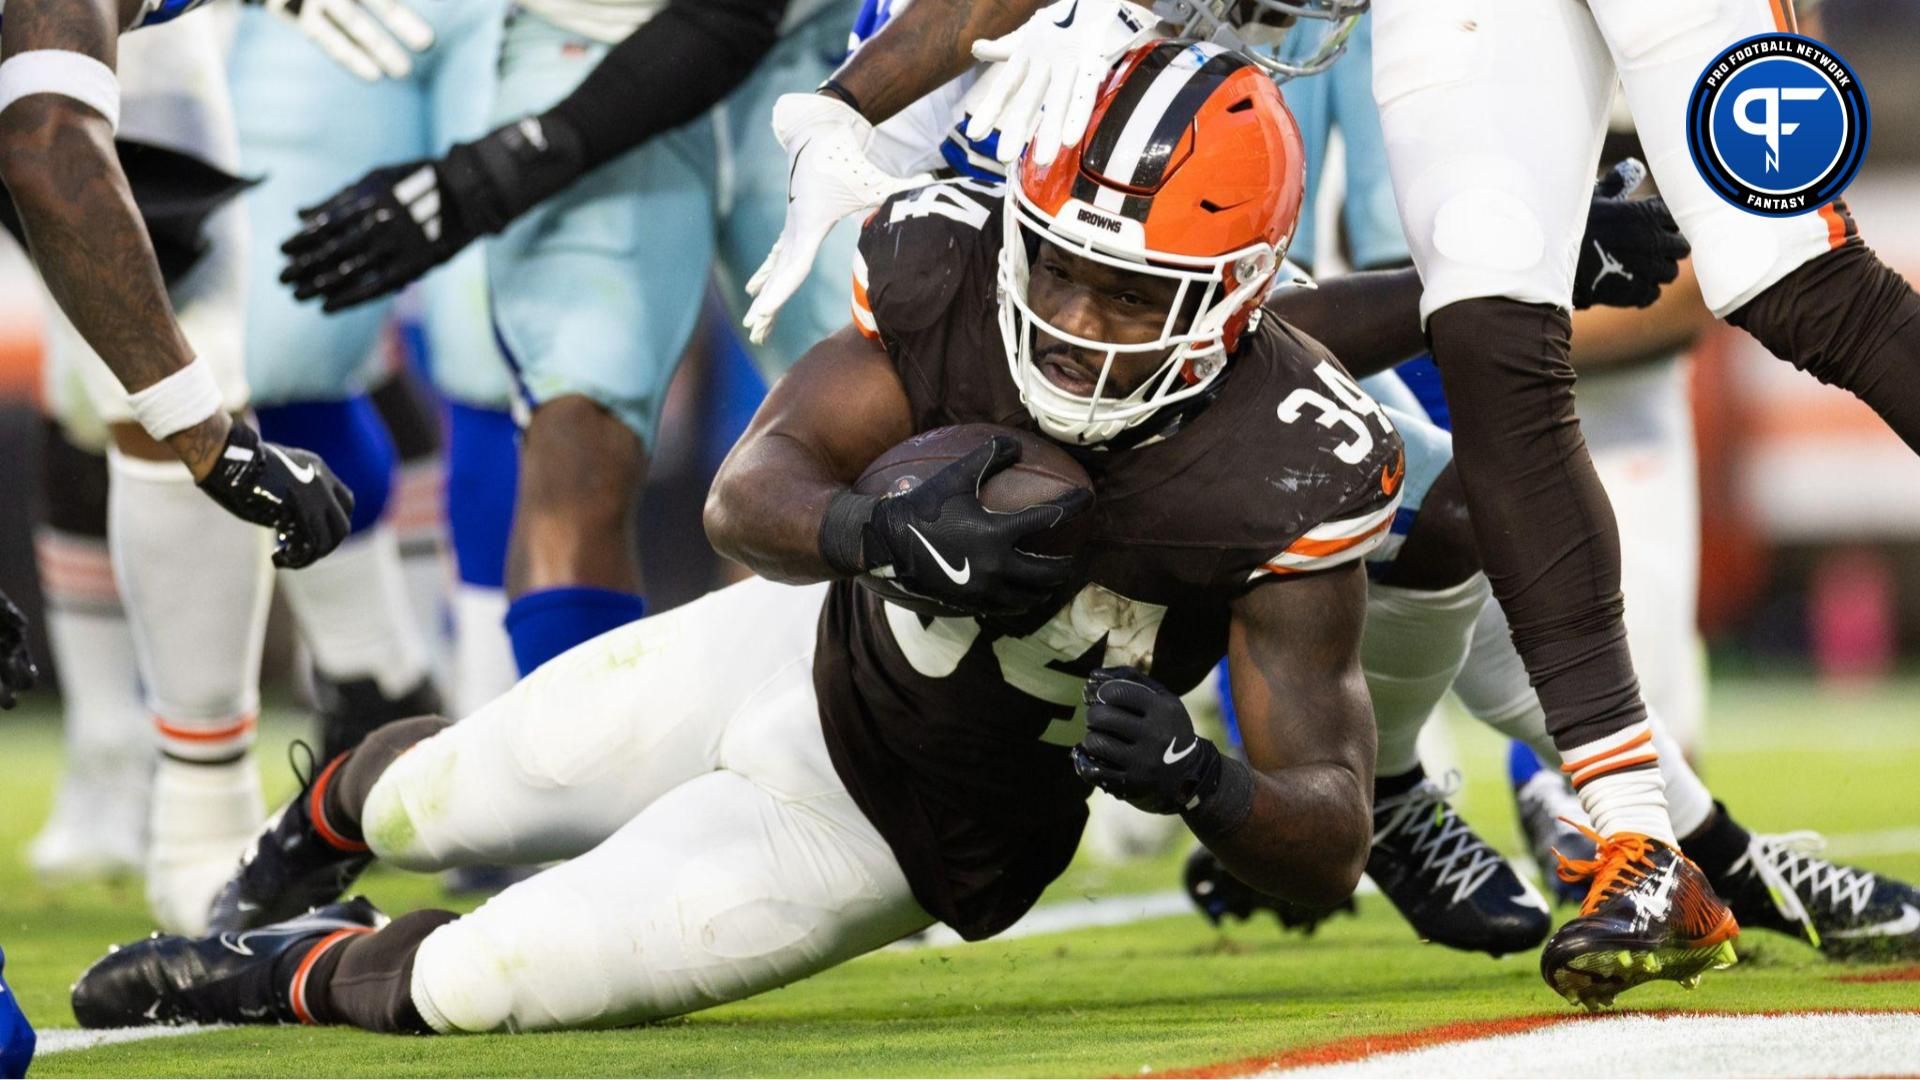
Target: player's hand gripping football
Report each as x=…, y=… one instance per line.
x=1632, y=246
x=17, y=672
x=374, y=39
x=287, y=490
x=936, y=540
x=829, y=177
x=1140, y=745
x=1046, y=75
x=385, y=230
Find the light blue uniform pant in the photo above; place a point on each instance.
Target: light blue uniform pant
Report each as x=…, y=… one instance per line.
x=308, y=128
x=597, y=291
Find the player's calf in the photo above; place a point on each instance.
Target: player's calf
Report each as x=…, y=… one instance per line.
x=313, y=849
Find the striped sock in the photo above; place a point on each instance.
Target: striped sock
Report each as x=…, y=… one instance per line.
x=1618, y=779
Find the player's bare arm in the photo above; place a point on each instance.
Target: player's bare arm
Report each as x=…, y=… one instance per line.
x=928, y=44
x=1609, y=337
x=58, y=161
x=1295, y=820
x=1369, y=319
x=839, y=408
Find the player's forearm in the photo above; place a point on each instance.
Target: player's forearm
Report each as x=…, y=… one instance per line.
x=924, y=47
x=1611, y=337
x=91, y=247
x=766, y=507
x=1307, y=837
x=1369, y=320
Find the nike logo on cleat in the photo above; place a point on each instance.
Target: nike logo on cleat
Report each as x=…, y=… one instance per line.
x=959, y=575
x=1907, y=923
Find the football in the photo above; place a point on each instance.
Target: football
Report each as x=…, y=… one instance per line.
x=1044, y=472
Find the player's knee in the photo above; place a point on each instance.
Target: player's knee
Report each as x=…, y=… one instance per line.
x=1833, y=316
x=1484, y=240
x=1502, y=361
x=357, y=786
x=580, y=464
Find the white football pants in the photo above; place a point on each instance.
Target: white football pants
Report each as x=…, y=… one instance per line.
x=1494, y=111
x=678, y=764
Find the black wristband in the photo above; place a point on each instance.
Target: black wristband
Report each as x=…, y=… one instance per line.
x=498, y=177
x=843, y=532
x=832, y=88
x=1226, y=807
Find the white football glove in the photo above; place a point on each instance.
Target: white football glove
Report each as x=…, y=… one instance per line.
x=374, y=39
x=1047, y=74
x=829, y=177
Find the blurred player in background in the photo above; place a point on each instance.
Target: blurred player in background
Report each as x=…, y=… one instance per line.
x=311, y=372
x=633, y=160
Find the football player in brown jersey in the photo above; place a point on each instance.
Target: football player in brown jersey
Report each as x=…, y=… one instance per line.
x=779, y=777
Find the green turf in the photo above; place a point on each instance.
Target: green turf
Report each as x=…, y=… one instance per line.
x=1165, y=994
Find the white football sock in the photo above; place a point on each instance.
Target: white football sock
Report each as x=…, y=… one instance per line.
x=1689, y=803
x=1414, y=644
x=1619, y=795
x=195, y=583
x=484, y=666
x=353, y=614
x=98, y=824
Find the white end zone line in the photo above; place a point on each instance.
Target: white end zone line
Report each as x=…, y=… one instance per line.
x=64, y=1040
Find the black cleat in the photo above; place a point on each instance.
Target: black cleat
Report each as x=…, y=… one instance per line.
x=1453, y=888
x=1548, y=811
x=291, y=866
x=243, y=977
x=1220, y=895
x=1650, y=914
x=1783, y=884
x=350, y=711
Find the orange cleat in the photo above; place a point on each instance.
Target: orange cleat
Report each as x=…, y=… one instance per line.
x=1649, y=914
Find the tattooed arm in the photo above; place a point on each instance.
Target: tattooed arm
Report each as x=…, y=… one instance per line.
x=86, y=236
x=923, y=48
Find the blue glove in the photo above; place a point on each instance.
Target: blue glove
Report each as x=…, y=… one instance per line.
x=16, y=1034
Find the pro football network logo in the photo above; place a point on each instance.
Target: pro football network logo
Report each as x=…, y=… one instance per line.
x=1778, y=125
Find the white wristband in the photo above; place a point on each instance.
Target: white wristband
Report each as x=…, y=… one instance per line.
x=69, y=74
x=177, y=402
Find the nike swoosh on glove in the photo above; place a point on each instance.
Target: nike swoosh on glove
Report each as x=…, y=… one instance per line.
x=937, y=541
x=1046, y=74
x=1140, y=744
x=288, y=490
x=1632, y=246
x=829, y=177
x=17, y=672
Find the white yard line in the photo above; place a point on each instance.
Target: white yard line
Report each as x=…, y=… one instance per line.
x=63, y=1040
x=1805, y=1044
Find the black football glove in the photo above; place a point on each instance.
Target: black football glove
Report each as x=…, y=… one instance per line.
x=935, y=540
x=390, y=227
x=1632, y=246
x=287, y=490
x=1140, y=745
x=17, y=672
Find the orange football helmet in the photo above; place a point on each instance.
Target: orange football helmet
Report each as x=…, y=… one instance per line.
x=1191, y=169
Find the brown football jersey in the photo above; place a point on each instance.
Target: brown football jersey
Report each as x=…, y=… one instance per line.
x=953, y=734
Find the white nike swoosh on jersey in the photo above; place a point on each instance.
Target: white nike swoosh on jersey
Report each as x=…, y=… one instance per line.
x=302, y=473
x=1168, y=757
x=959, y=575
x=1907, y=923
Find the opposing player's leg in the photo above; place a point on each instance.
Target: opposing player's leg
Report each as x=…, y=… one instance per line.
x=635, y=238
x=1805, y=286
x=546, y=771
x=1492, y=116
x=311, y=372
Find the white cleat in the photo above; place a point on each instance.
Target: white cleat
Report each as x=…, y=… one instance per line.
x=203, y=818
x=97, y=830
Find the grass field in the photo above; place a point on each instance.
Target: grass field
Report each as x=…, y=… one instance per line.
x=1160, y=995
